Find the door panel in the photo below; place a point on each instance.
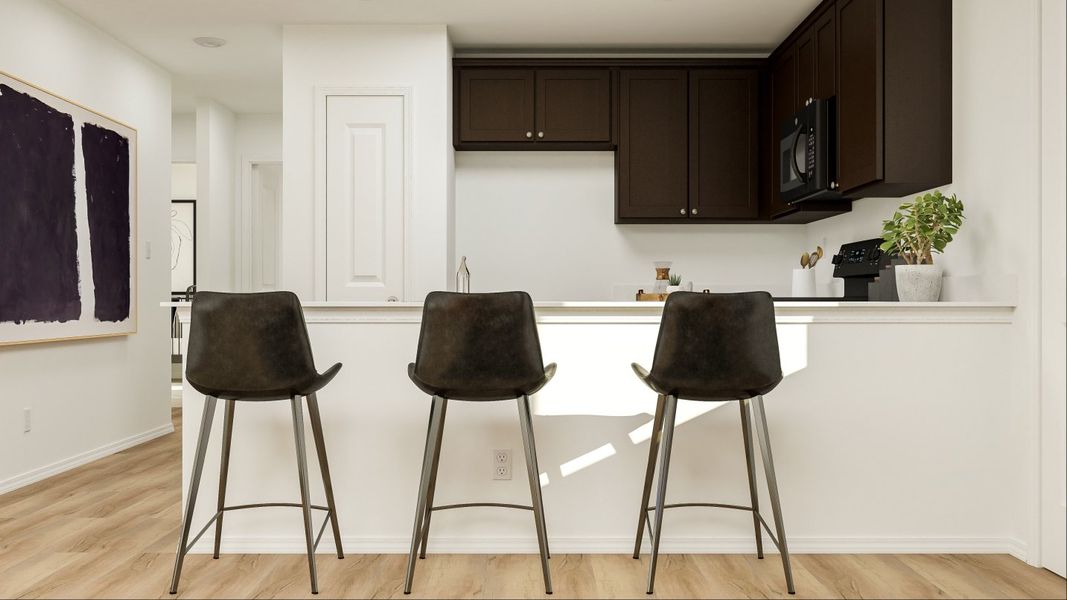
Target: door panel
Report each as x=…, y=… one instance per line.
x=365, y=191
x=805, y=57
x=723, y=142
x=859, y=95
x=653, y=144
x=265, y=231
x=824, y=35
x=573, y=105
x=496, y=105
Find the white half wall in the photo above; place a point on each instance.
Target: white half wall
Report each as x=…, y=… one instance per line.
x=367, y=56
x=544, y=222
x=183, y=137
x=90, y=398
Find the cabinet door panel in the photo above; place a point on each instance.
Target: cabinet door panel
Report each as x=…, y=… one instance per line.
x=825, y=37
x=859, y=93
x=496, y=105
x=783, y=106
x=653, y=144
x=805, y=57
x=573, y=105
x=723, y=142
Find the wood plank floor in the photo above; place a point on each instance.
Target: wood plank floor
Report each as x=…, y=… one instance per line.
x=108, y=530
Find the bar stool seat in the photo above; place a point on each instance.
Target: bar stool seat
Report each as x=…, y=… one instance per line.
x=698, y=390
x=458, y=386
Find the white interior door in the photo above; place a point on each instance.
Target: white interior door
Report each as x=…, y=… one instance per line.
x=1053, y=282
x=265, y=234
x=366, y=183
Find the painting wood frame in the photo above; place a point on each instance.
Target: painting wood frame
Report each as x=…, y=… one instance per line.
x=92, y=138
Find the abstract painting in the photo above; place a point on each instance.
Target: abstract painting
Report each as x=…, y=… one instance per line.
x=182, y=245
x=68, y=198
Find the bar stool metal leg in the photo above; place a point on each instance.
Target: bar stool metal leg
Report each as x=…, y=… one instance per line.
x=324, y=468
x=650, y=470
x=670, y=411
x=760, y=417
x=436, y=410
x=433, y=479
x=535, y=488
x=537, y=470
x=305, y=494
x=750, y=465
x=224, y=468
x=194, y=486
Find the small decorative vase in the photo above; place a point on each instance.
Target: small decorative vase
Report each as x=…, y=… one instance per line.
x=918, y=283
x=803, y=283
x=673, y=288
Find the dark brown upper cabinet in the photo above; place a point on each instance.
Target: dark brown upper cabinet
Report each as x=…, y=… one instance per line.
x=651, y=163
x=496, y=105
x=533, y=109
x=723, y=143
x=894, y=96
x=573, y=105
x=783, y=76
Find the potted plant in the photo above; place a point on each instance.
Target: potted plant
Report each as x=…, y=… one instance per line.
x=916, y=232
x=675, y=283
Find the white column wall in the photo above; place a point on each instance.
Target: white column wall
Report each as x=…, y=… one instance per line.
x=373, y=56
x=215, y=138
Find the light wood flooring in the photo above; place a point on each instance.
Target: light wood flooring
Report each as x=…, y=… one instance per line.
x=108, y=530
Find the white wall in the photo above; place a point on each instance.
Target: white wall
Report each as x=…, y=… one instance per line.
x=996, y=124
x=544, y=222
x=215, y=168
x=258, y=139
x=92, y=397
x=183, y=137
x=415, y=56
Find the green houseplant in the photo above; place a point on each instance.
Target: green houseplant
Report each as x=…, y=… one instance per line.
x=675, y=283
x=916, y=231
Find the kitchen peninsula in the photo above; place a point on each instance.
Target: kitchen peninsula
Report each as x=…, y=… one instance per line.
x=852, y=439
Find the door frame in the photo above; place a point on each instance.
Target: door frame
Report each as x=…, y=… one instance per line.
x=243, y=225
x=322, y=93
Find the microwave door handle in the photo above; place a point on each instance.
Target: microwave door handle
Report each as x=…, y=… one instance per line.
x=793, y=156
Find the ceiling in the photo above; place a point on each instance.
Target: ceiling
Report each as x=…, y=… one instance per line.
x=245, y=74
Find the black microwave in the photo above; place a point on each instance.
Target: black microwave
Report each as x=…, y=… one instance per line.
x=806, y=154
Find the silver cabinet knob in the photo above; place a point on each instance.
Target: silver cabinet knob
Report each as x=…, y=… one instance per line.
x=540, y=134
x=694, y=211
x=833, y=185
x=682, y=211
x=529, y=134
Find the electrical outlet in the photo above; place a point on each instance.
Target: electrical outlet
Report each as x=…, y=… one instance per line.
x=26, y=421
x=502, y=464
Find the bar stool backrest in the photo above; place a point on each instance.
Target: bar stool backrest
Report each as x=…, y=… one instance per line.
x=718, y=345
x=479, y=342
x=248, y=345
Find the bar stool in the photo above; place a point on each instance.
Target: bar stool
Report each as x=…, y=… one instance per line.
x=480, y=348
x=714, y=347
x=254, y=347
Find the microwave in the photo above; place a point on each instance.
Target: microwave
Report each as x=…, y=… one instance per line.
x=807, y=160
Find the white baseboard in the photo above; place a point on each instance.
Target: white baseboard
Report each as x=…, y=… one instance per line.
x=35, y=475
x=814, y=545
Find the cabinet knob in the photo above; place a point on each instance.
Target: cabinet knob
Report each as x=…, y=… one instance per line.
x=694, y=211
x=682, y=211
x=540, y=134
x=833, y=185
x=529, y=134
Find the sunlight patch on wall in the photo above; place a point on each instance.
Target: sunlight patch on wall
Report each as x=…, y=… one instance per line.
x=587, y=460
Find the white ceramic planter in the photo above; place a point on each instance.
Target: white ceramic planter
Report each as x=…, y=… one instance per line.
x=803, y=283
x=918, y=283
x=673, y=288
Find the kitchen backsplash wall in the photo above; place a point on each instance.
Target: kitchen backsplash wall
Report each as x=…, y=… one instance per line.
x=543, y=222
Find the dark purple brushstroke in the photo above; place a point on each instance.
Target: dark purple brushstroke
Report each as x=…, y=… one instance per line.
x=38, y=229
x=107, y=187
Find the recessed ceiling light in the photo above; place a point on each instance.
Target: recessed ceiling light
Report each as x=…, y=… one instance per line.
x=209, y=42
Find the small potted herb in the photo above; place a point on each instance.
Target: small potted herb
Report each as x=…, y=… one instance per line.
x=675, y=282
x=916, y=232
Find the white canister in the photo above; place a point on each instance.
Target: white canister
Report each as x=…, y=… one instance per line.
x=803, y=283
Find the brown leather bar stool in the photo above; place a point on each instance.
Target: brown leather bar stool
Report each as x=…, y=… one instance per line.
x=254, y=347
x=478, y=348
x=714, y=347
